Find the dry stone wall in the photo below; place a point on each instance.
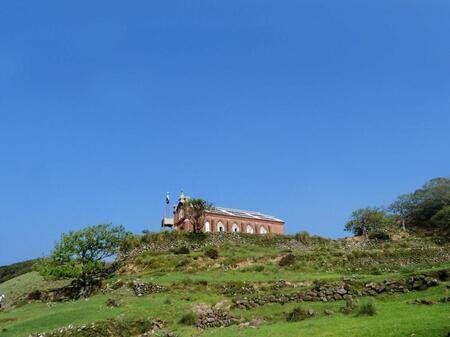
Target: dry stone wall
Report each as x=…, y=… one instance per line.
x=340, y=291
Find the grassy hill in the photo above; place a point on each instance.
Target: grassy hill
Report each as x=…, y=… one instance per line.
x=14, y=270
x=177, y=276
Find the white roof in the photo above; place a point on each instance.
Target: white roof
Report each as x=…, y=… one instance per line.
x=243, y=214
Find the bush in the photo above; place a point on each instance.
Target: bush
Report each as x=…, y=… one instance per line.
x=183, y=263
x=233, y=288
x=188, y=319
x=375, y=271
x=408, y=269
x=379, y=235
x=113, y=303
x=203, y=283
x=181, y=250
x=303, y=237
x=258, y=268
x=299, y=314
x=367, y=309
x=443, y=275
x=287, y=260
x=212, y=253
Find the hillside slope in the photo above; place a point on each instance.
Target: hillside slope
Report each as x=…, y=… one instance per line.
x=175, y=284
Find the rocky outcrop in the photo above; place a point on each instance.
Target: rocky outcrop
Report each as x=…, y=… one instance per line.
x=141, y=288
x=340, y=291
x=213, y=316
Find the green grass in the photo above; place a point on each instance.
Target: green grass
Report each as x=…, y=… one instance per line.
x=251, y=263
x=18, y=287
x=395, y=316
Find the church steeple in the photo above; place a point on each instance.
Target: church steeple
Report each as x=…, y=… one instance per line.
x=182, y=197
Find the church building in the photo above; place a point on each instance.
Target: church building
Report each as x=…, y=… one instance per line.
x=220, y=219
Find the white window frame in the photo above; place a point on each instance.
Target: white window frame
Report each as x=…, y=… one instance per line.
x=219, y=226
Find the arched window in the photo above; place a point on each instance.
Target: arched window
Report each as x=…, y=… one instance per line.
x=250, y=229
x=207, y=227
x=262, y=230
x=235, y=228
x=220, y=227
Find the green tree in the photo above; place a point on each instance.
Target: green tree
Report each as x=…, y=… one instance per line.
x=418, y=208
x=82, y=253
x=441, y=219
x=368, y=220
x=402, y=207
x=195, y=212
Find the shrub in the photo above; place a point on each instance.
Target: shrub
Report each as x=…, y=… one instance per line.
x=443, y=275
x=203, y=283
x=181, y=250
x=113, y=303
x=188, y=319
x=379, y=235
x=212, y=253
x=375, y=271
x=299, y=314
x=233, y=288
x=367, y=309
x=253, y=269
x=258, y=268
x=287, y=260
x=183, y=263
x=408, y=269
x=130, y=243
x=303, y=237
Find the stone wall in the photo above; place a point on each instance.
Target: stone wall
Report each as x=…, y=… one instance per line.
x=341, y=290
x=218, y=239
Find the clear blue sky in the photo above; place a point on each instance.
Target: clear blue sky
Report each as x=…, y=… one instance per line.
x=302, y=109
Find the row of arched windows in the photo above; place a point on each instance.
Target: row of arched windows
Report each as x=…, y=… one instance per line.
x=235, y=228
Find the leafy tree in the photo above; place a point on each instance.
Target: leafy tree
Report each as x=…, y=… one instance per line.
x=401, y=208
x=195, y=212
x=441, y=219
x=368, y=220
x=418, y=208
x=82, y=253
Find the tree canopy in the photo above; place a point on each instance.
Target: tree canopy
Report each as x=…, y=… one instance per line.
x=366, y=221
x=417, y=209
x=427, y=208
x=195, y=212
x=83, y=252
